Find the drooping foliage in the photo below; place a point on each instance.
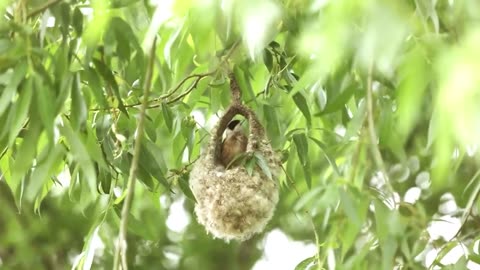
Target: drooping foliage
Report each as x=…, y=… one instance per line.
x=373, y=106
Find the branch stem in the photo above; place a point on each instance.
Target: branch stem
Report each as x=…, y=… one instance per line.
x=121, y=247
x=377, y=156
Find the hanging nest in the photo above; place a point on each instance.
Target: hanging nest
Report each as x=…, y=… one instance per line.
x=231, y=203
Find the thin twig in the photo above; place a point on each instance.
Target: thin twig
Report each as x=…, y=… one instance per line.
x=121, y=248
x=42, y=8
x=191, y=88
x=377, y=156
x=164, y=98
x=199, y=76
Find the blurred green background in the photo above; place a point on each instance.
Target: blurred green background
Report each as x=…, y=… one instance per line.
x=373, y=105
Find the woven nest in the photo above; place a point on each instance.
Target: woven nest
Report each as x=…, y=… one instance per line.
x=233, y=204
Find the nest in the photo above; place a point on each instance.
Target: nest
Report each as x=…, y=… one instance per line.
x=231, y=203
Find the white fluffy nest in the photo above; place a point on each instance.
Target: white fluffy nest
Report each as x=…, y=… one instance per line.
x=231, y=204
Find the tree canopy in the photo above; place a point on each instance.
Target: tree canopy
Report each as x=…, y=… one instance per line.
x=372, y=106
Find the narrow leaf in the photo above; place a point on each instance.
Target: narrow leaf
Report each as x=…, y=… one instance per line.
x=262, y=163
x=167, y=116
x=151, y=165
x=268, y=59
x=301, y=103
x=77, y=21
x=305, y=264
x=44, y=171
x=338, y=102
x=329, y=158
x=185, y=188
x=80, y=155
x=78, y=115
x=95, y=85
x=250, y=165
x=25, y=155
x=301, y=144
x=9, y=91
x=107, y=75
x=22, y=107
x=43, y=97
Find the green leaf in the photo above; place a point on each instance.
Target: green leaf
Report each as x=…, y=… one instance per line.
x=250, y=165
x=356, y=123
x=301, y=143
x=123, y=35
x=44, y=109
x=307, y=263
x=21, y=109
x=185, y=188
x=268, y=59
x=125, y=28
x=472, y=198
x=171, y=45
x=25, y=155
x=338, y=102
x=329, y=158
x=123, y=47
x=355, y=208
x=474, y=258
x=301, y=103
x=388, y=222
x=77, y=21
x=444, y=251
x=273, y=126
x=156, y=151
x=188, y=132
x=262, y=163
x=61, y=66
x=88, y=252
x=300, y=85
x=107, y=75
x=308, y=198
x=167, y=116
x=149, y=162
x=95, y=85
x=78, y=115
x=44, y=171
x=122, y=3
x=93, y=147
x=411, y=90
x=8, y=93
x=80, y=155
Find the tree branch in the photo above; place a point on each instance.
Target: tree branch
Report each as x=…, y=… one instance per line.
x=377, y=156
x=191, y=88
x=164, y=98
x=197, y=76
x=121, y=248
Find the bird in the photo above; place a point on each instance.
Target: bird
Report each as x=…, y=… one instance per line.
x=235, y=142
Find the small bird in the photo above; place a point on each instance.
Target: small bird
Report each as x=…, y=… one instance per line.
x=235, y=142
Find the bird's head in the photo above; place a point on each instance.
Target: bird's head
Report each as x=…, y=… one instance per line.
x=233, y=127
